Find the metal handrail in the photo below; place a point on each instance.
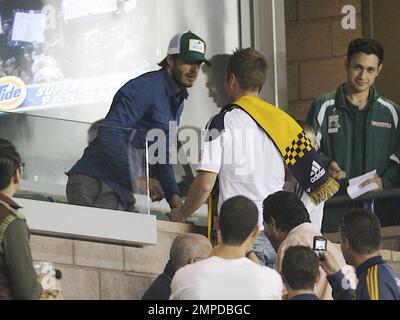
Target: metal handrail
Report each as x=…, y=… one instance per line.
x=390, y=193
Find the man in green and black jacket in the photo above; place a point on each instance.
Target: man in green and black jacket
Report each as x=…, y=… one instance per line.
x=357, y=130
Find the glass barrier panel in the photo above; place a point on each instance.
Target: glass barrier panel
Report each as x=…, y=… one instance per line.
x=50, y=148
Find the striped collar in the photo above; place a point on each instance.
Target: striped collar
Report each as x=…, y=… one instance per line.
x=367, y=264
x=305, y=296
x=340, y=96
x=9, y=201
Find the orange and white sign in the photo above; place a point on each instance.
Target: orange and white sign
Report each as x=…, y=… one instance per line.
x=12, y=93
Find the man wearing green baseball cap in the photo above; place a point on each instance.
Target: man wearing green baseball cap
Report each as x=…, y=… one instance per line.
x=106, y=176
x=188, y=47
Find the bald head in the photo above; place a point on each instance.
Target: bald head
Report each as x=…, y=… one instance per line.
x=189, y=247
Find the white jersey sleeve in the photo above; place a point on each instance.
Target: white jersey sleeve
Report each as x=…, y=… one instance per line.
x=212, y=150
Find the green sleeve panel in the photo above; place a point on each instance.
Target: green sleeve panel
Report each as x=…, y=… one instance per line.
x=390, y=178
x=391, y=174
x=313, y=121
x=18, y=257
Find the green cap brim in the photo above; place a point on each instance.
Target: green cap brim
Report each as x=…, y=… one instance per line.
x=194, y=56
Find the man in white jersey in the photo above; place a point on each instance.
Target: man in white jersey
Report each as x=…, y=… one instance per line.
x=238, y=151
x=228, y=274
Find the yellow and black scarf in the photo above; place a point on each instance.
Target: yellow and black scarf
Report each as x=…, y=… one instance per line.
x=297, y=151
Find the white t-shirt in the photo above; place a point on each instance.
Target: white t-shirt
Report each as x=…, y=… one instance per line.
x=245, y=158
x=226, y=279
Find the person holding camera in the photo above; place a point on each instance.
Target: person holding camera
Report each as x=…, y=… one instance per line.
x=361, y=243
x=286, y=224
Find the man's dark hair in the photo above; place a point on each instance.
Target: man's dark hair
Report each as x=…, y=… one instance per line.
x=237, y=219
x=10, y=162
x=5, y=144
x=250, y=68
x=287, y=210
x=363, y=231
x=300, y=267
x=164, y=63
x=367, y=46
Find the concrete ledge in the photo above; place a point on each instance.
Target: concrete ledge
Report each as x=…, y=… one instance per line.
x=390, y=235
x=89, y=224
x=101, y=271
x=79, y=283
x=396, y=256
x=98, y=255
x=150, y=259
x=173, y=227
x=386, y=255
x=52, y=249
x=116, y=286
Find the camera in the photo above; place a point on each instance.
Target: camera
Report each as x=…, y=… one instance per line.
x=320, y=244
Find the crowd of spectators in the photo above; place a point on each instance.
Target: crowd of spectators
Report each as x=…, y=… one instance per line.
x=280, y=231
x=76, y=48
x=302, y=272
x=32, y=62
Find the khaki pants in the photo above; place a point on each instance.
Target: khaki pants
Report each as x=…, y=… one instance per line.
x=86, y=191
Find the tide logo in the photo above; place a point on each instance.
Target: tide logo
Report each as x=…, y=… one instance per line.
x=12, y=93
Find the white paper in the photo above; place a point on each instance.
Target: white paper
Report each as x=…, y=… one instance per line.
x=29, y=27
x=364, y=177
x=354, y=189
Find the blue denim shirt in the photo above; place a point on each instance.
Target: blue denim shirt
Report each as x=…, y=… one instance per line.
x=116, y=156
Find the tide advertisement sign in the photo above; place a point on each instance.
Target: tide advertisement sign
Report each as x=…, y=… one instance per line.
x=12, y=93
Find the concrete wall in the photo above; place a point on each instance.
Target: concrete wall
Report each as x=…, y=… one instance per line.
x=385, y=24
x=100, y=271
x=316, y=47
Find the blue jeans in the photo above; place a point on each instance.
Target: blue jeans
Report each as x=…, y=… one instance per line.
x=263, y=249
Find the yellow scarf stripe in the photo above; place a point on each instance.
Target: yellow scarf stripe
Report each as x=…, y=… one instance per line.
x=271, y=118
x=290, y=139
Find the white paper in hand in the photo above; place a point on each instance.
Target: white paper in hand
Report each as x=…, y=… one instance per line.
x=354, y=190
